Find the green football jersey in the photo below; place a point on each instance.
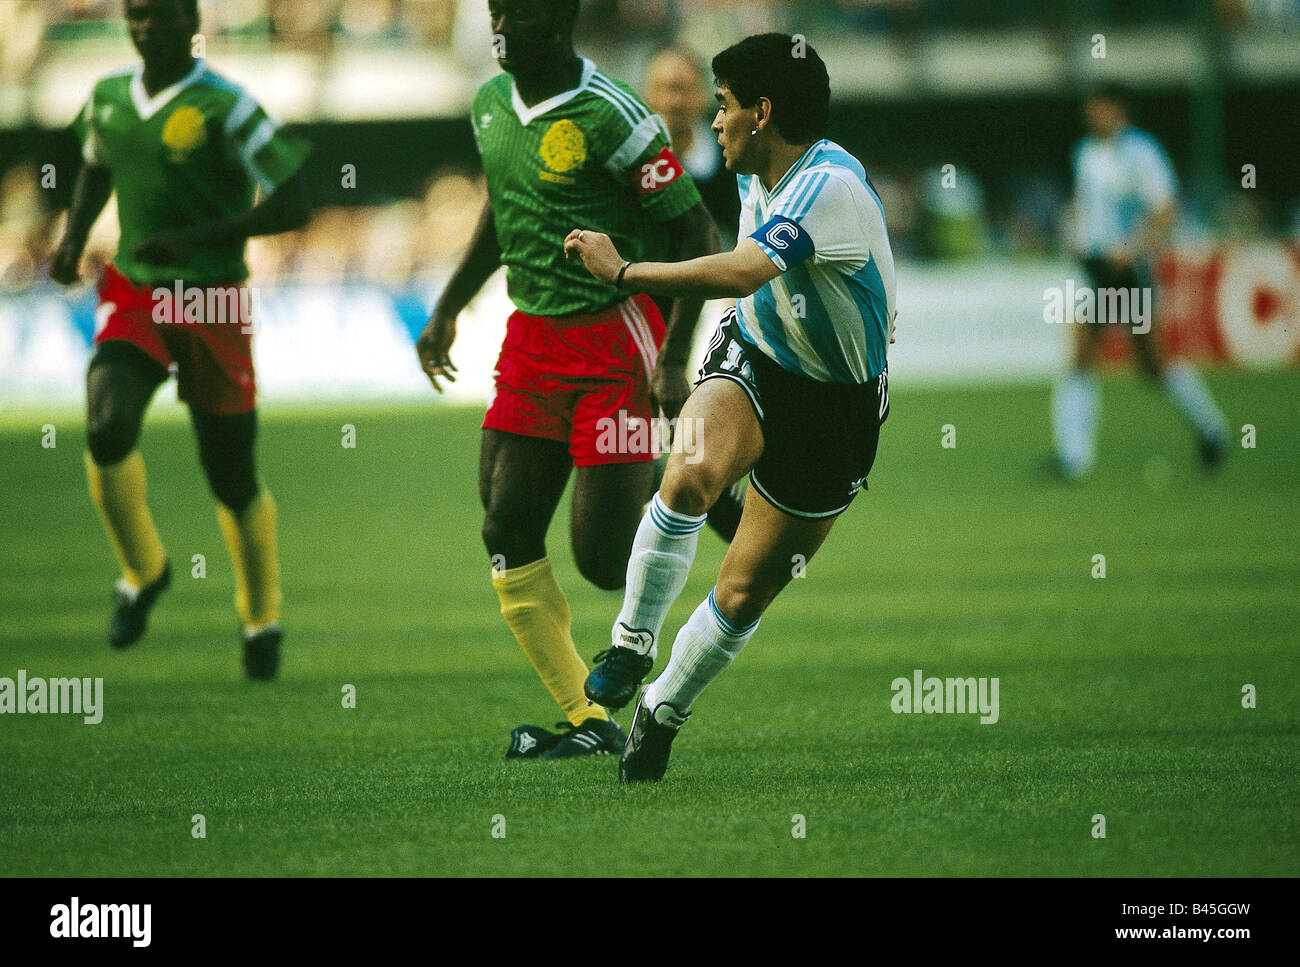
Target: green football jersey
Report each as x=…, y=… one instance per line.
x=593, y=157
x=195, y=152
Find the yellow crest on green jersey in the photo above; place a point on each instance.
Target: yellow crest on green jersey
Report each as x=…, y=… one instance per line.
x=564, y=147
x=184, y=133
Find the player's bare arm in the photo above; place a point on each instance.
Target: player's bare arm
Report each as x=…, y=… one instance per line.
x=692, y=235
x=727, y=275
x=89, y=196
x=285, y=210
x=481, y=259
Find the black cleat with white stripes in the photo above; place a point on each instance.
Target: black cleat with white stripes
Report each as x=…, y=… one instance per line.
x=592, y=737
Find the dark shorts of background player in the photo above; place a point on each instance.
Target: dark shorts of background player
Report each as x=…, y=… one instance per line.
x=819, y=439
x=1103, y=275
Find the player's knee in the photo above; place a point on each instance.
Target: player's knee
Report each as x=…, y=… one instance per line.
x=495, y=537
x=601, y=570
x=511, y=540
x=743, y=599
x=691, y=488
x=111, y=436
x=234, y=487
x=1150, y=368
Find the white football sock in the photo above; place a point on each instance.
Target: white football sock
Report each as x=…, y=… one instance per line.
x=656, y=573
x=706, y=645
x=1190, y=395
x=1074, y=421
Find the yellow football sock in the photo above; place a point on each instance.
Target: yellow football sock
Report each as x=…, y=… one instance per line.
x=118, y=491
x=251, y=539
x=538, y=613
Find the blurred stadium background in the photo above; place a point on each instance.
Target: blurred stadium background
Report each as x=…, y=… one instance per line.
x=988, y=86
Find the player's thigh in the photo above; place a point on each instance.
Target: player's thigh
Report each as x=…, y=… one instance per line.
x=717, y=440
x=1099, y=275
x=521, y=480
x=769, y=548
x=227, y=443
x=214, y=366
x=1146, y=349
x=1087, y=342
x=608, y=503
x=120, y=382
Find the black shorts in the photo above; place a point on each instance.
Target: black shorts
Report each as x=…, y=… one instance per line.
x=1103, y=275
x=819, y=439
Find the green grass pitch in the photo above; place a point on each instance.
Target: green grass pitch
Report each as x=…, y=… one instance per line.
x=1119, y=696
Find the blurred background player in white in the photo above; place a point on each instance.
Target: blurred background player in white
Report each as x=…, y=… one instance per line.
x=1125, y=205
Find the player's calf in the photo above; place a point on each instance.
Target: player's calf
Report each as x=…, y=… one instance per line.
x=744, y=596
x=657, y=570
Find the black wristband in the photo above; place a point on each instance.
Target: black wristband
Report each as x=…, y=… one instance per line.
x=618, y=283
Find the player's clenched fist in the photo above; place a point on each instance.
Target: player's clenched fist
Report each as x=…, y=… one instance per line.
x=433, y=348
x=597, y=253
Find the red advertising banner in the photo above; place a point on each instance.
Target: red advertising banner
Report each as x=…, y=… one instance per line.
x=1234, y=304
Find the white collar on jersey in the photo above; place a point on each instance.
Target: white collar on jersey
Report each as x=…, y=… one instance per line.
x=529, y=114
x=147, y=106
x=790, y=173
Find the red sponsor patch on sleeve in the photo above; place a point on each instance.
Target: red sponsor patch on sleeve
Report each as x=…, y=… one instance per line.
x=659, y=172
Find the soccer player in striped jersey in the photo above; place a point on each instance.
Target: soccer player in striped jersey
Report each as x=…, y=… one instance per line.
x=186, y=151
x=584, y=366
x=1125, y=205
x=793, y=392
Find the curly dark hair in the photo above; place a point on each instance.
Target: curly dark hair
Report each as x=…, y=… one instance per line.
x=787, y=71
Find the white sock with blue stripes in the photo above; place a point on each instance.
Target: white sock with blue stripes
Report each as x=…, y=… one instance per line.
x=1075, y=403
x=1191, y=396
x=661, y=559
x=706, y=645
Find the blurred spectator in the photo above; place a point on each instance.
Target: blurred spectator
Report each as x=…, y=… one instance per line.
x=1032, y=225
x=676, y=90
x=235, y=17
x=430, y=21
x=952, y=215
x=653, y=22
x=897, y=191
x=370, y=20
x=400, y=245
x=302, y=24
x=21, y=28
x=24, y=224
x=636, y=39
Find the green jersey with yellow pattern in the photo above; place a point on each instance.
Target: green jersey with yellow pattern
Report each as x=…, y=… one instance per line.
x=195, y=152
x=594, y=157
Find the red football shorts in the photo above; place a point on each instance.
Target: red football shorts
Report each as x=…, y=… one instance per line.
x=213, y=356
x=581, y=380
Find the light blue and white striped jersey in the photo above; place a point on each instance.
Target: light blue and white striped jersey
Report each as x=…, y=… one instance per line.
x=1117, y=183
x=827, y=315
